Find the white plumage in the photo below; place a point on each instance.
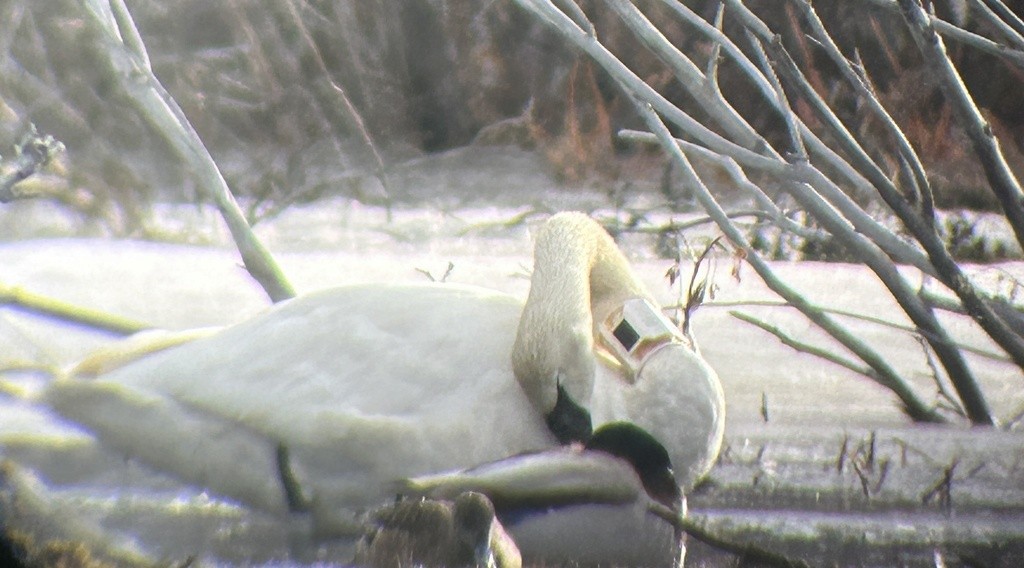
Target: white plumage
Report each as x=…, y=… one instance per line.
x=367, y=385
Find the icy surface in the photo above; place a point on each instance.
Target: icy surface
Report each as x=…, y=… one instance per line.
x=816, y=409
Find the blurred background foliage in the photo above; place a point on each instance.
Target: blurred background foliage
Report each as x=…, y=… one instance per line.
x=264, y=81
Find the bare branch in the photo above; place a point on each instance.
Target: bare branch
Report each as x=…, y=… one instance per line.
x=574, y=11
x=821, y=196
x=716, y=53
x=336, y=94
x=690, y=77
x=956, y=33
x=22, y=299
x=1004, y=184
x=1011, y=29
x=919, y=312
x=158, y=107
x=620, y=72
x=1008, y=15
x=994, y=356
x=827, y=188
x=886, y=374
x=857, y=78
x=804, y=347
x=798, y=152
x=746, y=552
x=770, y=163
x=946, y=269
x=130, y=34
x=739, y=178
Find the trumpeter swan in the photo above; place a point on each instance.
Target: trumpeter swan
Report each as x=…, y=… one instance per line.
x=369, y=384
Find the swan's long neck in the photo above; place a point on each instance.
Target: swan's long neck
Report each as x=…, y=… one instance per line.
x=579, y=277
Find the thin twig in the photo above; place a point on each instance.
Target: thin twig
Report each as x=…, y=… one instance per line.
x=615, y=227
x=443, y=278
x=748, y=552
x=798, y=152
x=943, y=489
x=22, y=299
x=804, y=347
x=862, y=317
x=342, y=100
x=715, y=59
x=696, y=292
x=516, y=220
x=936, y=374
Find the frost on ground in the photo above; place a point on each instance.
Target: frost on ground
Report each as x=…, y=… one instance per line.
x=836, y=471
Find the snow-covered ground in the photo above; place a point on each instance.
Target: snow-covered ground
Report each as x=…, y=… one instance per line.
x=334, y=243
x=817, y=410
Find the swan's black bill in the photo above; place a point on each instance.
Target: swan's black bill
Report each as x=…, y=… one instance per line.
x=568, y=421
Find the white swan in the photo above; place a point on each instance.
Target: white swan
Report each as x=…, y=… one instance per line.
x=369, y=384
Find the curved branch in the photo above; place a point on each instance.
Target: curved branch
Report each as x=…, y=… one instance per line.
x=158, y=107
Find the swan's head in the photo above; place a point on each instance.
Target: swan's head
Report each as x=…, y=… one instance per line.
x=665, y=387
x=553, y=361
x=583, y=288
x=677, y=398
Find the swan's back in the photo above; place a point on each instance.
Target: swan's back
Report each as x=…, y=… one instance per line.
x=365, y=384
x=376, y=350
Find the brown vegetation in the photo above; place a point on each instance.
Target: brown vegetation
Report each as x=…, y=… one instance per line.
x=261, y=81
